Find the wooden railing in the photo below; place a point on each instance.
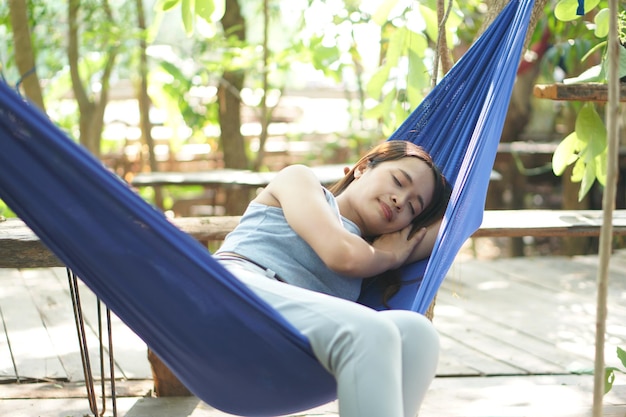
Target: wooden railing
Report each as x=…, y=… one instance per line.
x=21, y=248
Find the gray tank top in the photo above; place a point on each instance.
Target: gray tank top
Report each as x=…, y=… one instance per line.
x=264, y=237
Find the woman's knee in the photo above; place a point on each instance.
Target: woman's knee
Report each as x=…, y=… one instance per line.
x=376, y=330
x=414, y=328
x=360, y=341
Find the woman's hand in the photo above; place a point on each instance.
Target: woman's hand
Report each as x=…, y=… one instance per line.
x=425, y=247
x=419, y=247
x=399, y=244
x=299, y=193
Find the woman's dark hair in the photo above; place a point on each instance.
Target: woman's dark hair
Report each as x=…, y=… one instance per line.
x=389, y=151
x=397, y=149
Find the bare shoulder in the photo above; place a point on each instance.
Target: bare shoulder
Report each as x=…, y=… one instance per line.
x=290, y=181
x=297, y=170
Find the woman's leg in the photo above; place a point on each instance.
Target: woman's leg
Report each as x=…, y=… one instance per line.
x=375, y=357
x=420, y=354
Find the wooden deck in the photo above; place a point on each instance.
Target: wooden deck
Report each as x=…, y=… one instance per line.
x=508, y=327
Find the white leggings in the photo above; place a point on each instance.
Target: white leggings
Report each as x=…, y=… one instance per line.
x=383, y=361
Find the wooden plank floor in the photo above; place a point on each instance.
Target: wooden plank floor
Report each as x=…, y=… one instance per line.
x=527, y=315
x=519, y=319
x=40, y=338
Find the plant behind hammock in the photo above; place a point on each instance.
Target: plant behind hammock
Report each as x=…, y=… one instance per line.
x=610, y=371
x=586, y=147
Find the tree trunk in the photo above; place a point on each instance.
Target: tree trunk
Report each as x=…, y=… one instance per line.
x=496, y=6
x=91, y=115
x=264, y=110
x=24, y=55
x=144, y=100
x=229, y=100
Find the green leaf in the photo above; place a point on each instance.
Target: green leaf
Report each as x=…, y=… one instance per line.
x=416, y=43
x=621, y=70
x=170, y=68
x=382, y=109
x=430, y=18
x=382, y=14
x=326, y=59
x=396, y=46
x=578, y=171
x=589, y=177
x=621, y=354
x=205, y=9
x=601, y=164
x=165, y=5
x=565, y=10
x=586, y=148
x=416, y=80
x=566, y=153
x=602, y=23
x=609, y=378
x=377, y=82
x=400, y=113
x=591, y=131
x=187, y=12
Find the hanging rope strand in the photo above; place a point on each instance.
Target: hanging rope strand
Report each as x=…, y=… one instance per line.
x=608, y=204
x=441, y=51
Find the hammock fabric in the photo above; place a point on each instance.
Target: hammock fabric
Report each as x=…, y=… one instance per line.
x=225, y=344
x=460, y=123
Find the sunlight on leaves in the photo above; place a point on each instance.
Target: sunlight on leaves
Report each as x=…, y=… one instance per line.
x=165, y=5
x=382, y=14
x=610, y=371
x=377, y=82
x=588, y=178
x=565, y=10
x=621, y=354
x=590, y=129
x=187, y=13
x=565, y=154
x=217, y=8
x=586, y=148
x=602, y=23
x=609, y=378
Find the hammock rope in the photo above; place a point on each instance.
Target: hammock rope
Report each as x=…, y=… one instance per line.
x=225, y=344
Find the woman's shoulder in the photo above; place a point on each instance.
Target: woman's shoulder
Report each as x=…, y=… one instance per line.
x=295, y=170
x=288, y=183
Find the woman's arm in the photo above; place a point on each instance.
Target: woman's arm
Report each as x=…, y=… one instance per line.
x=298, y=192
x=425, y=247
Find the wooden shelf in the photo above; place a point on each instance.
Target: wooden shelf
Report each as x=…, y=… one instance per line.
x=576, y=92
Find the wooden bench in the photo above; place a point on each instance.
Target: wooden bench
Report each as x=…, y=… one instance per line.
x=21, y=248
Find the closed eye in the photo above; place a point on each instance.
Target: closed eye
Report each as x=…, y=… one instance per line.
x=399, y=184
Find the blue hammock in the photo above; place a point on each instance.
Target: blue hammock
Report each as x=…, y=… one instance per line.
x=226, y=345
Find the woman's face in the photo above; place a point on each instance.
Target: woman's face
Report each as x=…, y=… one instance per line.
x=387, y=197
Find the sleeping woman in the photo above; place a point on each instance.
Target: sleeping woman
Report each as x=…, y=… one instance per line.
x=306, y=250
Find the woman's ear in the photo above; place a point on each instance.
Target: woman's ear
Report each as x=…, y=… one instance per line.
x=359, y=170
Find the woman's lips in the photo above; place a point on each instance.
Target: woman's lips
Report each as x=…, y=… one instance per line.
x=386, y=211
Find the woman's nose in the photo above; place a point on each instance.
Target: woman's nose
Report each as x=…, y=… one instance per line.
x=396, y=203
